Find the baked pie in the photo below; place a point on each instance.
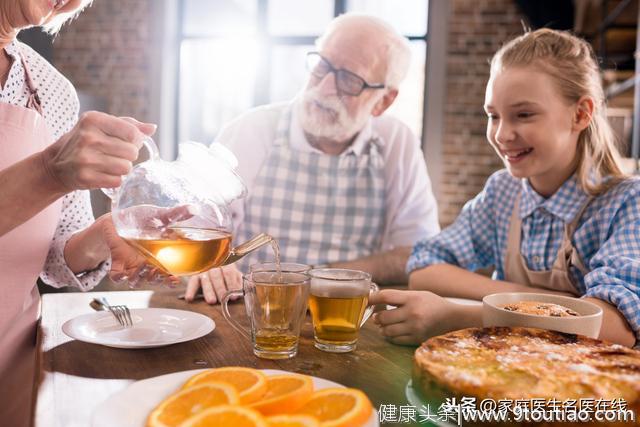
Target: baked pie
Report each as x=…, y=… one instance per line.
x=526, y=363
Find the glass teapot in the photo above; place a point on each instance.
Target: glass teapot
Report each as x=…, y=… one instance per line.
x=176, y=213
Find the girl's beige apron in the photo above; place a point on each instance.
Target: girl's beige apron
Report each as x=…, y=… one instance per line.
x=559, y=277
x=23, y=132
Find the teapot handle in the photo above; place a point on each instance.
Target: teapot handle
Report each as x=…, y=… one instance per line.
x=154, y=154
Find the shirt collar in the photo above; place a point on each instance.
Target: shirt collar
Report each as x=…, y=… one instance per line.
x=16, y=72
x=565, y=203
x=13, y=50
x=298, y=141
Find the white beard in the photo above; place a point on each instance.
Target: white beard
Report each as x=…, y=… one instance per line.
x=327, y=117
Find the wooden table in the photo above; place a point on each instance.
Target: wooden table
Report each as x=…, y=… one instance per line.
x=75, y=377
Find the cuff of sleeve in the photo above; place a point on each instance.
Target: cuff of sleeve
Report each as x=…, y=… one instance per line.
x=63, y=276
x=626, y=301
x=417, y=261
x=56, y=273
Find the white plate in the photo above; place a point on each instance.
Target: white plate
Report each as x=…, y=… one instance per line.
x=131, y=406
x=152, y=327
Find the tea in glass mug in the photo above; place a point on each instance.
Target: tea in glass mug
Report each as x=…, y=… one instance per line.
x=276, y=303
x=338, y=304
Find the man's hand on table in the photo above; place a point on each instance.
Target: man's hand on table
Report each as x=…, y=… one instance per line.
x=215, y=283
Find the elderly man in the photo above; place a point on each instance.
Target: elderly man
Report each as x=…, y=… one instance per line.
x=330, y=177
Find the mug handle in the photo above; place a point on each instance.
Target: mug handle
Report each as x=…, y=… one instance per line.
x=154, y=154
x=369, y=310
x=227, y=315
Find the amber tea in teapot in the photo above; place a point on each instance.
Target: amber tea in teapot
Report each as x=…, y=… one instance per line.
x=176, y=213
x=185, y=250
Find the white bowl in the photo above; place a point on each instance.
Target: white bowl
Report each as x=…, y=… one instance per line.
x=588, y=322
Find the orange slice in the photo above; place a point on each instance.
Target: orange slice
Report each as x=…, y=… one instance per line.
x=226, y=416
x=185, y=403
x=285, y=394
x=338, y=407
x=293, y=421
x=250, y=384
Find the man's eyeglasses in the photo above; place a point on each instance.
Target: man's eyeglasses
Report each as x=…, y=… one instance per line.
x=347, y=83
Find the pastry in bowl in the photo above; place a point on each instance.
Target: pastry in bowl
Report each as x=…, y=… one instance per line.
x=540, y=308
x=543, y=311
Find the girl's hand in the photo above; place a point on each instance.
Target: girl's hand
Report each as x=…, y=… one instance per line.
x=419, y=315
x=97, y=152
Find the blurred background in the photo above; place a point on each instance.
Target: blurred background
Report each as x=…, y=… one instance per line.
x=193, y=65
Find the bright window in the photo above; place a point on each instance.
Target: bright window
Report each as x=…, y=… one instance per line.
x=238, y=54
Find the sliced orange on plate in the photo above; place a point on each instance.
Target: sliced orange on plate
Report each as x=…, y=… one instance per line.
x=298, y=420
x=338, y=407
x=185, y=403
x=285, y=394
x=227, y=416
x=251, y=384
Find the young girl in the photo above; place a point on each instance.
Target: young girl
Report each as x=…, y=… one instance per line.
x=562, y=218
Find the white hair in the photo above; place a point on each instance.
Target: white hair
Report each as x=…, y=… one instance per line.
x=395, y=46
x=58, y=21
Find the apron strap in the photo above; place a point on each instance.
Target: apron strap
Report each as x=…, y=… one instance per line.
x=282, y=129
x=568, y=254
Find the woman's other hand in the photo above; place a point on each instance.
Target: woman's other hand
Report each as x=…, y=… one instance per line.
x=97, y=152
x=127, y=263
x=86, y=249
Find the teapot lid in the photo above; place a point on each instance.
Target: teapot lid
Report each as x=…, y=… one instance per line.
x=214, y=170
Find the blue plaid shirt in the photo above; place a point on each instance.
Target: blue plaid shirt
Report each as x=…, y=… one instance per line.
x=607, y=237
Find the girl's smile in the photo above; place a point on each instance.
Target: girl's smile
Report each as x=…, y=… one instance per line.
x=514, y=156
x=531, y=127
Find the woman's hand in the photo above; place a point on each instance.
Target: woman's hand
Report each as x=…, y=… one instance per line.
x=97, y=152
x=215, y=283
x=127, y=263
x=420, y=315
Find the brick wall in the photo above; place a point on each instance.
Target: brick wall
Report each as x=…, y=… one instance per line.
x=477, y=28
x=105, y=52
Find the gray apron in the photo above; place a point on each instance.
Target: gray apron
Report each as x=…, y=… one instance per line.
x=320, y=208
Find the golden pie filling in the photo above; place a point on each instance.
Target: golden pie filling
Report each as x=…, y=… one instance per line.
x=526, y=363
x=540, y=309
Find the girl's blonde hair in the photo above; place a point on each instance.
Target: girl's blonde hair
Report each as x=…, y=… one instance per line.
x=572, y=65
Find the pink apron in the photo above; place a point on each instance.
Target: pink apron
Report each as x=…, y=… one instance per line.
x=23, y=251
x=558, y=278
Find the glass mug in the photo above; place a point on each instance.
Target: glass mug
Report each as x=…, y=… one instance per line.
x=276, y=304
x=338, y=305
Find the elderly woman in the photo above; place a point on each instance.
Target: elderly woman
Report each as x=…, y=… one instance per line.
x=47, y=157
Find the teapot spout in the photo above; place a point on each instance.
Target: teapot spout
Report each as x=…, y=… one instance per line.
x=247, y=247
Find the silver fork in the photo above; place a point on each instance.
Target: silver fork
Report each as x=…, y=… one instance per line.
x=120, y=312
